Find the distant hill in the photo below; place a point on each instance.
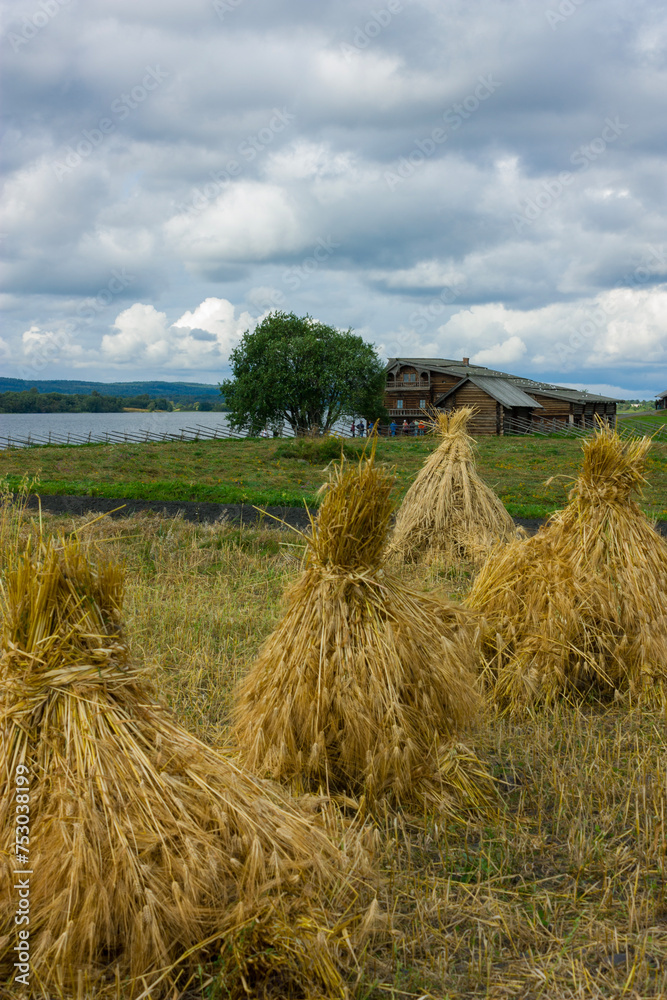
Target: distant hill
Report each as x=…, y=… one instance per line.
x=170, y=390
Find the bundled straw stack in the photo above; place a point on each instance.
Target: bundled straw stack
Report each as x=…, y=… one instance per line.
x=143, y=841
x=364, y=685
x=581, y=604
x=449, y=512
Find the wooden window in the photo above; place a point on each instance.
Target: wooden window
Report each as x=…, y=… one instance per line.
x=422, y=404
x=399, y=404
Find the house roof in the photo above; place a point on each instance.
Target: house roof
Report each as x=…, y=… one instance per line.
x=662, y=395
x=500, y=389
x=489, y=375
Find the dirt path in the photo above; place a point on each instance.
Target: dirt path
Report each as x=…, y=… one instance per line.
x=234, y=513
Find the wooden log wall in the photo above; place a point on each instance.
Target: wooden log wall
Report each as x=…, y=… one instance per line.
x=441, y=382
x=560, y=409
x=482, y=422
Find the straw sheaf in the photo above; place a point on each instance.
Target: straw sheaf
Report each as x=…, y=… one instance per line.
x=363, y=680
x=145, y=842
x=582, y=603
x=449, y=512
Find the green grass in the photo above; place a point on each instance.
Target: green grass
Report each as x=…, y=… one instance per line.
x=561, y=895
x=656, y=418
x=287, y=473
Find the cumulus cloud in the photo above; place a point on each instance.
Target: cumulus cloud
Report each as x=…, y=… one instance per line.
x=608, y=331
x=217, y=317
x=506, y=353
x=40, y=349
x=142, y=335
x=251, y=222
x=200, y=339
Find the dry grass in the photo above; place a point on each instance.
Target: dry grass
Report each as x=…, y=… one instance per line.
x=145, y=842
x=582, y=604
x=560, y=896
x=365, y=684
x=449, y=512
x=564, y=897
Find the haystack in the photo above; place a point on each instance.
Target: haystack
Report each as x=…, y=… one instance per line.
x=582, y=604
x=449, y=512
x=143, y=841
x=364, y=686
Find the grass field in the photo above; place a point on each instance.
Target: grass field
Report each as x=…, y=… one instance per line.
x=284, y=473
x=656, y=418
x=561, y=896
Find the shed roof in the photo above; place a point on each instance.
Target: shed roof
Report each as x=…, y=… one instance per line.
x=662, y=395
x=499, y=389
x=505, y=392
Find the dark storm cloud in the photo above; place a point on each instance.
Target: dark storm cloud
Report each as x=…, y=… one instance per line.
x=214, y=149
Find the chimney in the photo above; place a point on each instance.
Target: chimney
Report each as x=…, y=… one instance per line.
x=466, y=361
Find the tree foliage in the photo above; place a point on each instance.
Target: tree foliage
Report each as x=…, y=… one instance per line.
x=33, y=401
x=295, y=369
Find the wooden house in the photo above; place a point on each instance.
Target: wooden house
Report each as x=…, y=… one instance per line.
x=504, y=403
x=661, y=401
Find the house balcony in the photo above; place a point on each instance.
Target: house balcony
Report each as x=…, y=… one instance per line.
x=406, y=412
x=401, y=385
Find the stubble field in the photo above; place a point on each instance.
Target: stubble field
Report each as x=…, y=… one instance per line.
x=561, y=895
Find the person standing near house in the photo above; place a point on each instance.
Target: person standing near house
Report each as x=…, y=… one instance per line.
x=406, y=426
x=352, y=429
x=392, y=428
x=422, y=427
x=360, y=428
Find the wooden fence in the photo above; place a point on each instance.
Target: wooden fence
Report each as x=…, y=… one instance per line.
x=542, y=428
x=548, y=428
x=197, y=433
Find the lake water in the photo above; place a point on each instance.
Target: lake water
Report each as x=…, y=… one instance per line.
x=20, y=425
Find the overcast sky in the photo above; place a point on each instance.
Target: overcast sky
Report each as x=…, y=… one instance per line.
x=481, y=178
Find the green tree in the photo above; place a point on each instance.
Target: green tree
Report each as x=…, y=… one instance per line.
x=309, y=374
